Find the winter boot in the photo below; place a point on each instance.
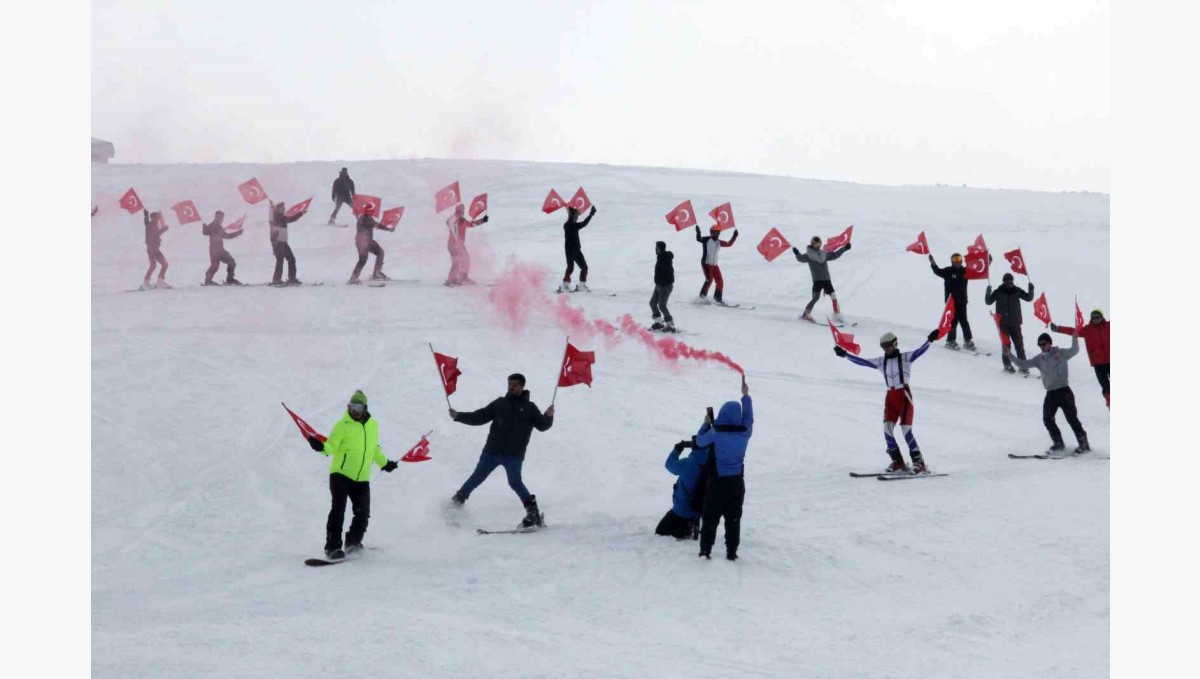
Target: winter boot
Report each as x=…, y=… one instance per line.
x=969, y=345
x=806, y=316
x=897, y=464
x=669, y=326
x=705, y=554
x=1083, y=446
x=161, y=284
x=458, y=500
x=209, y=281
x=294, y=281
x=702, y=299
x=1056, y=447
x=1009, y=369
x=565, y=286
x=353, y=281
x=352, y=547
x=380, y=276
x=533, y=518
x=582, y=287
x=657, y=325
x=951, y=344
x=334, y=554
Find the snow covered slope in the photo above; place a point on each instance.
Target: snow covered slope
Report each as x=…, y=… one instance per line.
x=205, y=500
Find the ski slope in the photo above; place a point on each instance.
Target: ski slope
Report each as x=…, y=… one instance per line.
x=205, y=500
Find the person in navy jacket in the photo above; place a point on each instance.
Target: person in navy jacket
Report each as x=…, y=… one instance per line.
x=682, y=520
x=727, y=439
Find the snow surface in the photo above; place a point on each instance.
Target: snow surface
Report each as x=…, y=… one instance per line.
x=205, y=500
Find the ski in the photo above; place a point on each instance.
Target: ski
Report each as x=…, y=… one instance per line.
x=826, y=325
x=670, y=332
x=903, y=477
x=734, y=306
x=1043, y=456
x=481, y=531
x=288, y=285
x=962, y=350
x=871, y=475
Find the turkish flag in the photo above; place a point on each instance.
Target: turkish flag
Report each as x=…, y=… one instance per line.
x=683, y=216
x=553, y=202
x=306, y=429
x=186, y=211
x=839, y=241
x=723, y=216
x=299, y=208
x=843, y=339
x=392, y=217
x=252, y=191
x=419, y=452
x=921, y=247
x=448, y=368
x=773, y=244
x=947, y=318
x=576, y=367
x=365, y=204
x=977, y=265
x=236, y=226
x=978, y=247
x=580, y=201
x=1004, y=340
x=1078, y=318
x=447, y=198
x=1017, y=261
x=478, y=206
x=1041, y=309
x=131, y=202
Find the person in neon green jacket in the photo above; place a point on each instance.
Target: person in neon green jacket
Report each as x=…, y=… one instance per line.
x=353, y=444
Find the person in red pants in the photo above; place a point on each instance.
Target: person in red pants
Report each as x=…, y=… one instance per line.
x=456, y=243
x=712, y=245
x=1095, y=335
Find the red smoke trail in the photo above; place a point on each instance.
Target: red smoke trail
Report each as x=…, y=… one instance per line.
x=672, y=349
x=519, y=290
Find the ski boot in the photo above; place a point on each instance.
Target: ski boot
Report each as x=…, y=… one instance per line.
x=582, y=287
x=294, y=281
x=458, y=500
x=161, y=284
x=951, y=344
x=233, y=281
x=353, y=281
x=918, y=466
x=209, y=281
x=897, y=464
x=534, y=519
x=705, y=554
x=353, y=547
x=969, y=345
x=806, y=316
x=1024, y=372
x=702, y=299
x=1056, y=448
x=1009, y=369
x=565, y=286
x=381, y=276
x=657, y=325
x=1083, y=446
x=669, y=326
x=334, y=554
x=146, y=285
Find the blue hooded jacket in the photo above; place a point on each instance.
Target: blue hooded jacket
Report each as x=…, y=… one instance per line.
x=688, y=469
x=730, y=436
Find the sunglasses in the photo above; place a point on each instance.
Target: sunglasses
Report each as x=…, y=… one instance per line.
x=356, y=408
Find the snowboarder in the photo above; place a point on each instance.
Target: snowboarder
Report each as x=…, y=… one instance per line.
x=456, y=243
x=513, y=418
x=710, y=247
x=682, y=520
x=156, y=226
x=1095, y=333
x=342, y=194
x=217, y=252
x=728, y=437
x=574, y=250
x=954, y=279
x=664, y=282
x=1052, y=363
x=353, y=444
x=818, y=264
x=364, y=241
x=1007, y=299
x=898, y=403
x=278, y=219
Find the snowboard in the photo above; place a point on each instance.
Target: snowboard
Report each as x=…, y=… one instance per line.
x=964, y=350
x=826, y=325
x=291, y=285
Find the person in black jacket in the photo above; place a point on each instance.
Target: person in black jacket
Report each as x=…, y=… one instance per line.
x=217, y=252
x=664, y=281
x=955, y=285
x=1007, y=299
x=513, y=418
x=574, y=249
x=343, y=193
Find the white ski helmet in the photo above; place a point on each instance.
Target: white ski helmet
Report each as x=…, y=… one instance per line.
x=887, y=338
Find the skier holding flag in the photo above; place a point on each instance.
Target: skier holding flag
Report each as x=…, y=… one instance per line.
x=156, y=226
x=1052, y=363
x=711, y=247
x=898, y=403
x=818, y=264
x=1007, y=299
x=954, y=285
x=456, y=243
x=279, y=220
x=364, y=242
x=1095, y=333
x=574, y=249
x=217, y=235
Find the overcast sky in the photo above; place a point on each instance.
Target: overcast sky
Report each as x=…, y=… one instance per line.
x=1012, y=94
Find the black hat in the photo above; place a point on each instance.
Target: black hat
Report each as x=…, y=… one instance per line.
x=1007, y=277
x=1044, y=337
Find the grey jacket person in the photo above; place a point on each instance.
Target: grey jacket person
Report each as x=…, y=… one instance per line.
x=1052, y=364
x=816, y=259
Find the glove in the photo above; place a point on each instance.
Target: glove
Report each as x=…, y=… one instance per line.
x=1054, y=327
x=145, y=212
x=795, y=251
x=316, y=443
x=847, y=246
x=931, y=259
x=933, y=336
x=593, y=209
x=485, y=218
x=679, y=447
x=390, y=466
x=839, y=351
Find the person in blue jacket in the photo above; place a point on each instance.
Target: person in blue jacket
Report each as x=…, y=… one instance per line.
x=682, y=520
x=727, y=439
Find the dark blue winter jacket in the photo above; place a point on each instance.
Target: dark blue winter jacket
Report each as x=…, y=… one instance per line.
x=730, y=436
x=688, y=469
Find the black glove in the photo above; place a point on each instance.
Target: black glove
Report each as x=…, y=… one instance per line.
x=931, y=259
x=847, y=246
x=1054, y=327
x=593, y=209
x=839, y=351
x=795, y=251
x=390, y=466
x=485, y=218
x=679, y=447
x=145, y=212
x=933, y=336
x=317, y=444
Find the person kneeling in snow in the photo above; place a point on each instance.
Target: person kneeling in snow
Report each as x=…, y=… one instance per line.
x=728, y=437
x=353, y=444
x=682, y=520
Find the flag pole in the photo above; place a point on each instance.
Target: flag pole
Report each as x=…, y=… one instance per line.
x=440, y=378
x=559, y=377
x=1025, y=263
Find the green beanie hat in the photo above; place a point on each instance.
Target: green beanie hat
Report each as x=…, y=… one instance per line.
x=359, y=397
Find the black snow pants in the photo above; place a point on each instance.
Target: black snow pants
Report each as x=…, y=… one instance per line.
x=359, y=493
x=723, y=499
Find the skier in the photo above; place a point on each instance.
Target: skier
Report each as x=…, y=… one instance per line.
x=664, y=282
x=898, y=403
x=954, y=279
x=353, y=444
x=156, y=226
x=342, y=194
x=682, y=520
x=1095, y=333
x=818, y=264
x=574, y=250
x=513, y=418
x=728, y=436
x=217, y=252
x=1052, y=363
x=364, y=241
x=278, y=219
x=1007, y=299
x=710, y=247
x=456, y=243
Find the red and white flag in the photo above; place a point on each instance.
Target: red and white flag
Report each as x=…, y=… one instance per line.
x=978, y=246
x=921, y=247
x=419, y=452
x=839, y=241
x=1017, y=261
x=977, y=265
x=392, y=217
x=1004, y=340
x=448, y=368
x=723, y=216
x=252, y=192
x=478, y=206
x=553, y=202
x=236, y=226
x=683, y=216
x=1041, y=309
x=773, y=244
x=186, y=212
x=299, y=208
x=576, y=367
x=305, y=428
x=447, y=198
x=364, y=204
x=843, y=339
x=947, y=318
x=580, y=201
x=1078, y=318
x=131, y=202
